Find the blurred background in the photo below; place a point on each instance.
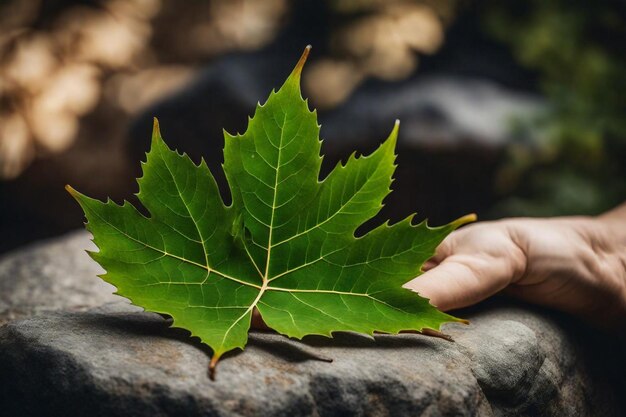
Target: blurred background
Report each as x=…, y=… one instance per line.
x=510, y=108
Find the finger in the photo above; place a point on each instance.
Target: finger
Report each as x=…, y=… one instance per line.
x=443, y=250
x=461, y=281
x=428, y=265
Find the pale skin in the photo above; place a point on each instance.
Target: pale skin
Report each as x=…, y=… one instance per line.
x=572, y=264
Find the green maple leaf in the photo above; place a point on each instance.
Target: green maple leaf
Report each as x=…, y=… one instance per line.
x=285, y=245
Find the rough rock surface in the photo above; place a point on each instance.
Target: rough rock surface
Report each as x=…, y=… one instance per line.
x=115, y=360
x=51, y=275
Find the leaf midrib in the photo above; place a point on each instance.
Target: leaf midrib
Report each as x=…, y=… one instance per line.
x=269, y=238
x=271, y=226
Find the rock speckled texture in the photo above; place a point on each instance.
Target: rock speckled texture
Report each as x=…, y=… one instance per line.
x=115, y=360
x=51, y=275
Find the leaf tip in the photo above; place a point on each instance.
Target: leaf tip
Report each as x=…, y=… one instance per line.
x=393, y=136
x=298, y=68
x=396, y=127
x=72, y=191
x=468, y=218
x=156, y=129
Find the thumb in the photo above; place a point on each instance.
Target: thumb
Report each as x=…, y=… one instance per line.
x=460, y=281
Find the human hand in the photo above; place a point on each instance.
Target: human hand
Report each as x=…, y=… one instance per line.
x=574, y=264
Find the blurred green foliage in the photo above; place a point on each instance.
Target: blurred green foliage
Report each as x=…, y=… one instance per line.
x=578, y=50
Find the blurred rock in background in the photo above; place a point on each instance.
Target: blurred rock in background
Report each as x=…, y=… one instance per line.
x=505, y=108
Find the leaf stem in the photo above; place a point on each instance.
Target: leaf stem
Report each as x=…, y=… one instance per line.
x=212, y=366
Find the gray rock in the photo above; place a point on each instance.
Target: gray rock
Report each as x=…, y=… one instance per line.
x=51, y=275
x=442, y=111
x=115, y=360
